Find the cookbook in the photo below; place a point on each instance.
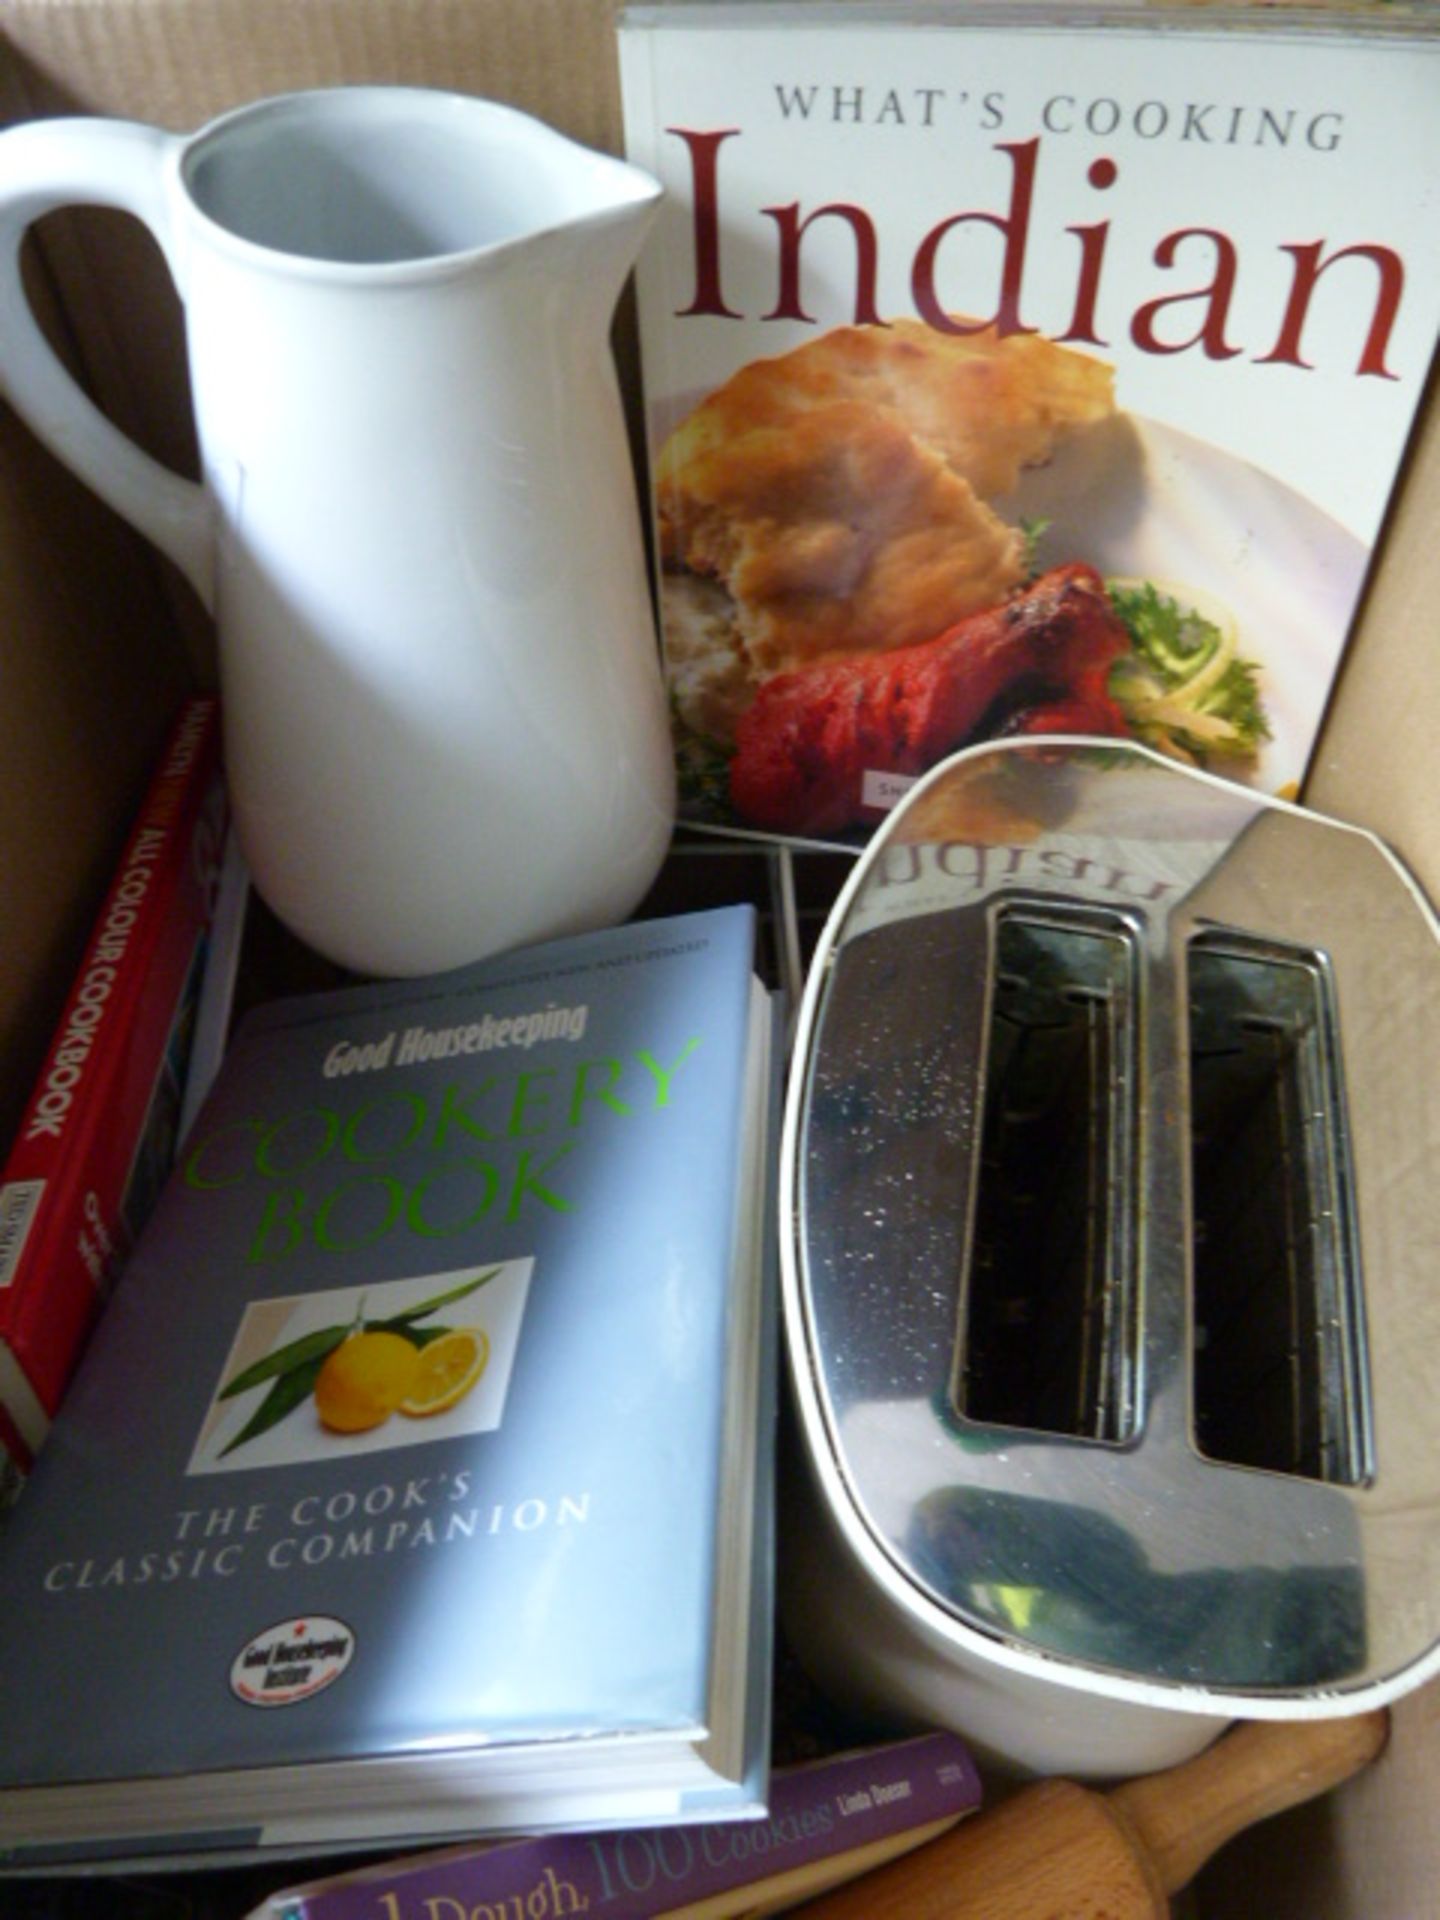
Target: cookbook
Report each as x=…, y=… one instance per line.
x=826, y=1822
x=97, y=1137
x=416, y=1483
x=1019, y=370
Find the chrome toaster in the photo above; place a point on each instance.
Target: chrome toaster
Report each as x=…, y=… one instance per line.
x=1111, y=1244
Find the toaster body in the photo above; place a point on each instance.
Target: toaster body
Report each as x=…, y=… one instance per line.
x=1110, y=1219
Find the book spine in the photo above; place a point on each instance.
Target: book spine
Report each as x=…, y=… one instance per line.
x=818, y=1816
x=96, y=1135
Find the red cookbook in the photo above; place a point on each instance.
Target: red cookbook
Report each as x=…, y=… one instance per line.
x=96, y=1139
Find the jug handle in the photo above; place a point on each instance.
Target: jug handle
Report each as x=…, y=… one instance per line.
x=45, y=165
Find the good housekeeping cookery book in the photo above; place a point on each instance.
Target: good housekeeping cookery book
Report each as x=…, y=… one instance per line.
x=417, y=1481
x=1020, y=368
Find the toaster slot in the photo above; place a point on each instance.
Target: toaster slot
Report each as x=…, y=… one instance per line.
x=1048, y=1312
x=1279, y=1375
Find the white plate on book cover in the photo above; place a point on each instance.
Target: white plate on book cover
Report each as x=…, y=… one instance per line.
x=1142, y=500
x=1147, y=501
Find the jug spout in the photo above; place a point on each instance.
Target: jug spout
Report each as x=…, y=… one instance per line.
x=552, y=184
x=559, y=225
x=600, y=210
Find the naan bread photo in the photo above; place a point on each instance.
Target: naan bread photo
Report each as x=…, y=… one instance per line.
x=834, y=499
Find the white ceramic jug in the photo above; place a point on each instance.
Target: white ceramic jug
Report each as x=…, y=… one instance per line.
x=445, y=726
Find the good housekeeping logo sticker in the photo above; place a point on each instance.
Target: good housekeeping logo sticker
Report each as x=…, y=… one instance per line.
x=291, y=1661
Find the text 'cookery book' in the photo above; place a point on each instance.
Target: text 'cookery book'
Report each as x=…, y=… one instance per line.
x=1019, y=370
x=416, y=1483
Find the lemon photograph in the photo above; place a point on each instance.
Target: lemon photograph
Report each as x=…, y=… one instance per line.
x=325, y=1375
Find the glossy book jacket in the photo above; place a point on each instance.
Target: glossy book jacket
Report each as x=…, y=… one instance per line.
x=1019, y=369
x=428, y=1431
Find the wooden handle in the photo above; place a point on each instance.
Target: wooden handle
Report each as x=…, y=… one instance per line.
x=1059, y=1851
x=1180, y=1817
x=1054, y=1852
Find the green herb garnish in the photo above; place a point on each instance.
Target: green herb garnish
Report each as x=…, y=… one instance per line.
x=1184, y=688
x=1033, y=529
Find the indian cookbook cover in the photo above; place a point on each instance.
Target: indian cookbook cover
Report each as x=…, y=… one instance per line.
x=1019, y=371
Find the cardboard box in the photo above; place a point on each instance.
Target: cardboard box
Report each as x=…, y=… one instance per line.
x=100, y=638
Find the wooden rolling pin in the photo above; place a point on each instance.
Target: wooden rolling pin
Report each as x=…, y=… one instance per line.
x=1059, y=1851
